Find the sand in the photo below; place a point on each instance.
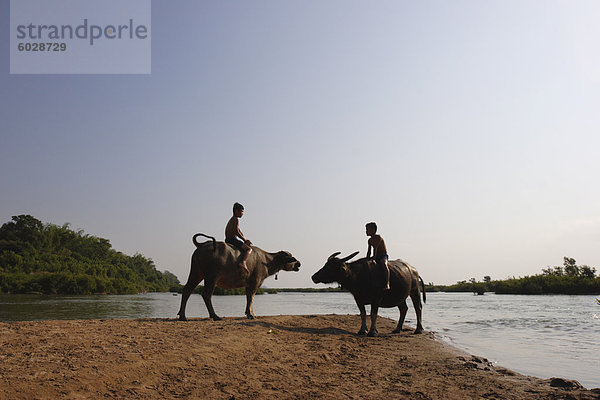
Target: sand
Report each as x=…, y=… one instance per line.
x=281, y=357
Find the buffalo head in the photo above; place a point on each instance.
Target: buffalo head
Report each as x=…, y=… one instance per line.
x=333, y=269
x=284, y=260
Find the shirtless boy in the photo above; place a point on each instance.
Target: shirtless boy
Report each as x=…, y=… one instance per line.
x=379, y=251
x=235, y=237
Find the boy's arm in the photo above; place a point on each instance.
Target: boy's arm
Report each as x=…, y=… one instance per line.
x=241, y=235
x=239, y=232
x=235, y=229
x=369, y=251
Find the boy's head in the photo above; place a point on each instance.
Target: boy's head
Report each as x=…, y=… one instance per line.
x=238, y=209
x=371, y=228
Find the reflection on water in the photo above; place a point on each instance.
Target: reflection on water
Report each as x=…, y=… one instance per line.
x=536, y=335
x=38, y=307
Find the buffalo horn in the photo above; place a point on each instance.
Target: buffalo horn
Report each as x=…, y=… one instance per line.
x=349, y=257
x=334, y=254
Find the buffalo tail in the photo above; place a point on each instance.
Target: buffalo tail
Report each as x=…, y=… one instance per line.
x=423, y=288
x=206, y=236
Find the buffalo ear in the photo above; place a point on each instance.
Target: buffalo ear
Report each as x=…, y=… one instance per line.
x=349, y=257
x=334, y=254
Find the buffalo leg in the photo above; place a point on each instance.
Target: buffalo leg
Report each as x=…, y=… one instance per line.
x=252, y=285
x=189, y=287
x=373, y=329
x=416, y=300
x=363, y=319
x=249, y=298
x=209, y=288
x=403, y=309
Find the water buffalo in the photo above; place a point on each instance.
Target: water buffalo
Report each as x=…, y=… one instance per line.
x=364, y=279
x=218, y=264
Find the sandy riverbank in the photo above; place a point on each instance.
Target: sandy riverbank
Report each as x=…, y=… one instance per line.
x=269, y=358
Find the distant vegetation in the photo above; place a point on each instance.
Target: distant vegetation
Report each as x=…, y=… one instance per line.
x=51, y=259
x=569, y=278
x=222, y=292
x=311, y=290
x=242, y=291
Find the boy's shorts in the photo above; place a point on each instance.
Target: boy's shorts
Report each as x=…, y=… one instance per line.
x=235, y=242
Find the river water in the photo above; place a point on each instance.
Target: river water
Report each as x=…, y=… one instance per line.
x=543, y=336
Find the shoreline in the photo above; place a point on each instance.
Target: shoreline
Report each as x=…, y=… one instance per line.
x=288, y=356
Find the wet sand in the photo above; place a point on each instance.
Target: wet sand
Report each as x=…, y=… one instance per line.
x=281, y=357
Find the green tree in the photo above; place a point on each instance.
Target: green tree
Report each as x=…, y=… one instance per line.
x=55, y=259
x=571, y=268
x=587, y=272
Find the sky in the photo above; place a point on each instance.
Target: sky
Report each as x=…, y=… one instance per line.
x=468, y=130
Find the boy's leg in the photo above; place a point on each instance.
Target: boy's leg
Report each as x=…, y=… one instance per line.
x=246, y=250
x=386, y=272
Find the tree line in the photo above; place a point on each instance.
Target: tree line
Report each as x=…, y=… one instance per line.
x=242, y=291
x=51, y=259
x=569, y=278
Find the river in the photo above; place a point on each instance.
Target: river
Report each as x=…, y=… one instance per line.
x=543, y=336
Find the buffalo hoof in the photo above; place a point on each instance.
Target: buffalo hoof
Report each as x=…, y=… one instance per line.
x=216, y=318
x=397, y=331
x=250, y=316
x=182, y=318
x=372, y=333
x=418, y=331
x=362, y=332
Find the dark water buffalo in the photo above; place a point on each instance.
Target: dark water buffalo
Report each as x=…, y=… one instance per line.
x=364, y=279
x=217, y=263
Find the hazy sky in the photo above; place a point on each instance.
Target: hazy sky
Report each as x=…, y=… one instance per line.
x=468, y=130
